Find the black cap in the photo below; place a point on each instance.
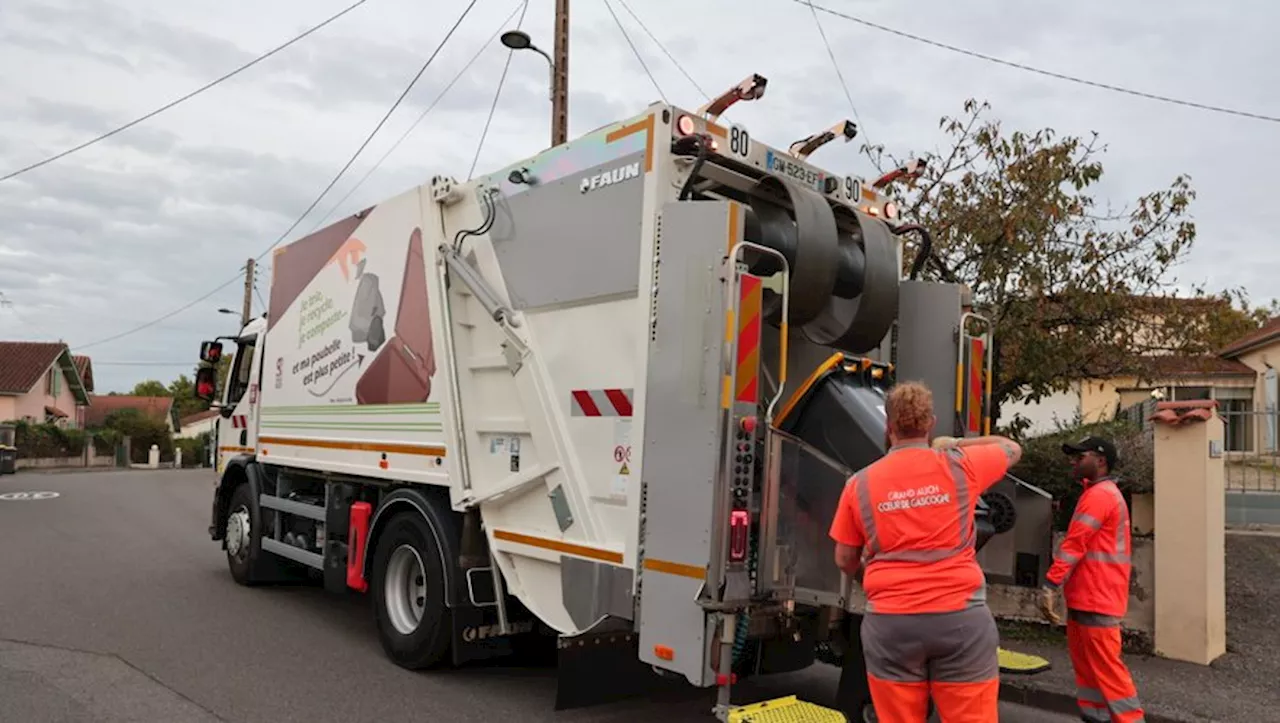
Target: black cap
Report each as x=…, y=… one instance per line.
x=1102, y=446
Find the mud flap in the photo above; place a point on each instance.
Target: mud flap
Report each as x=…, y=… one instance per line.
x=605, y=667
x=477, y=634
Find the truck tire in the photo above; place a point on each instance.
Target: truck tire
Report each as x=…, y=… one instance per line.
x=408, y=589
x=243, y=536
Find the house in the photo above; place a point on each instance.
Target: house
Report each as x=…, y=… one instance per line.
x=199, y=423
x=41, y=382
x=85, y=366
x=158, y=408
x=1241, y=377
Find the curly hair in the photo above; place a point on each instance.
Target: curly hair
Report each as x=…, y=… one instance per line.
x=909, y=407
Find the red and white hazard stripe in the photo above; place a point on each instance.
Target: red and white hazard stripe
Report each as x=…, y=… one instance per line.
x=239, y=421
x=601, y=403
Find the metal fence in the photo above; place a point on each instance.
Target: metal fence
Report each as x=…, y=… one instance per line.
x=1250, y=444
x=1251, y=451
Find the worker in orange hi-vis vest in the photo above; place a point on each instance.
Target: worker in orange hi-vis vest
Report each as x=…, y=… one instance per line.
x=906, y=523
x=1092, y=569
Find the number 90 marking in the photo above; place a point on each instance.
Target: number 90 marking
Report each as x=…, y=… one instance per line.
x=852, y=188
x=739, y=141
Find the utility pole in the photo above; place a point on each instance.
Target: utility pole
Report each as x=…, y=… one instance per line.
x=560, y=86
x=248, y=293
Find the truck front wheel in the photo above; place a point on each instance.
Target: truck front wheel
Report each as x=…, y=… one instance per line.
x=408, y=593
x=243, y=536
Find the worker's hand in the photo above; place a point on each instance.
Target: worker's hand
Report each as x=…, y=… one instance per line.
x=1049, y=605
x=945, y=442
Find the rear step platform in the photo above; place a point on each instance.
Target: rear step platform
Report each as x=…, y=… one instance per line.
x=784, y=710
x=1014, y=663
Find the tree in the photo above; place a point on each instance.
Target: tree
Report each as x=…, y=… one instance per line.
x=183, y=391
x=143, y=432
x=150, y=388
x=1073, y=291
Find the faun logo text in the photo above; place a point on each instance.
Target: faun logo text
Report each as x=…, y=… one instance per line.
x=485, y=632
x=610, y=177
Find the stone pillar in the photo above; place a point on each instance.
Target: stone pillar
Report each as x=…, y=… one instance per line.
x=1190, y=532
x=153, y=459
x=177, y=457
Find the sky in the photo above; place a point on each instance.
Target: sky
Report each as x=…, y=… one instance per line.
x=132, y=228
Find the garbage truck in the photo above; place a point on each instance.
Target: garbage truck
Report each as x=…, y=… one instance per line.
x=606, y=396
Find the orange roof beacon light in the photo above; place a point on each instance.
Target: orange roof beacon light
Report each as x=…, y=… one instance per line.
x=685, y=126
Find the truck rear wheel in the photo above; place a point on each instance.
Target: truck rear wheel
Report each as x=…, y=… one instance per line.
x=409, y=593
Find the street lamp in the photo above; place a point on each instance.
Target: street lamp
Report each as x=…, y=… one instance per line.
x=520, y=40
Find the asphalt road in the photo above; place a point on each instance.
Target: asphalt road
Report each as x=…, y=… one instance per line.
x=116, y=606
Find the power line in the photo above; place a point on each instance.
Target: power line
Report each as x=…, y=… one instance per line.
x=376, y=128
x=184, y=98
x=663, y=48
x=259, y=295
x=498, y=94
x=843, y=84
x=313, y=203
x=180, y=309
x=627, y=37
x=187, y=363
x=1049, y=73
x=421, y=115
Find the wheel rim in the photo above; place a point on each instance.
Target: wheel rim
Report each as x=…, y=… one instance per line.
x=405, y=589
x=238, y=529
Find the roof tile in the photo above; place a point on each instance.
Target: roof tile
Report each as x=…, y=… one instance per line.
x=198, y=417
x=1264, y=333
x=85, y=366
x=1206, y=365
x=23, y=362
x=1176, y=414
x=103, y=405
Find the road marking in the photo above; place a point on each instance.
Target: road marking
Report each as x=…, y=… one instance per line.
x=24, y=496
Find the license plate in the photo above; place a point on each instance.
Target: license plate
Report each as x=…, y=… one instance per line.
x=800, y=173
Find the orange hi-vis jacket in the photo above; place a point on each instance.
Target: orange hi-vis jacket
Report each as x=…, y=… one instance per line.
x=1094, y=559
x=911, y=512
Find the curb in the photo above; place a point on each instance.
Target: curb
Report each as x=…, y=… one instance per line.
x=45, y=471
x=1064, y=703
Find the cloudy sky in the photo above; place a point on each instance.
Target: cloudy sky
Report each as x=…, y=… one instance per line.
x=130, y=229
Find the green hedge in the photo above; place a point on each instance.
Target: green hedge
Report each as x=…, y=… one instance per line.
x=143, y=431
x=195, y=450
x=39, y=441
x=1044, y=465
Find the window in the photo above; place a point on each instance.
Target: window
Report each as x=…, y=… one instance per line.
x=241, y=368
x=1187, y=394
x=1235, y=406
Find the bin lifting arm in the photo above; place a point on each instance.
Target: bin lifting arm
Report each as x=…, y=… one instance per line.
x=752, y=88
x=805, y=147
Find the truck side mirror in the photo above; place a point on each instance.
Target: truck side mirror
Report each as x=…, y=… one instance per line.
x=206, y=383
x=210, y=351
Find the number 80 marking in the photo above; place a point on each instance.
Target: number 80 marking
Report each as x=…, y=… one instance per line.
x=739, y=141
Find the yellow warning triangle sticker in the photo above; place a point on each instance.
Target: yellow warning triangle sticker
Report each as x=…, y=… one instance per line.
x=624, y=469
